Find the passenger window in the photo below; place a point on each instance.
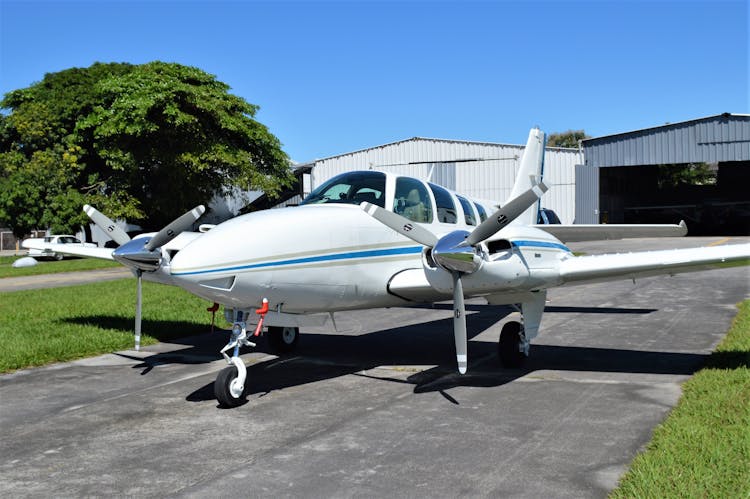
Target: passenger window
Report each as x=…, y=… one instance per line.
x=482, y=213
x=412, y=200
x=446, y=210
x=468, y=212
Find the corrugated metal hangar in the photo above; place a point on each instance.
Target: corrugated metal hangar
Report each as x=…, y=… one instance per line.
x=484, y=171
x=697, y=170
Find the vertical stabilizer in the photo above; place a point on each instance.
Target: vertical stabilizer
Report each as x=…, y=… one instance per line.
x=530, y=173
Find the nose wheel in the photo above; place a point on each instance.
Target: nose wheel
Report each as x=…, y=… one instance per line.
x=228, y=389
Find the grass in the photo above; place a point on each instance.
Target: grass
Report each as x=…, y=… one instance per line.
x=52, y=325
x=51, y=266
x=703, y=448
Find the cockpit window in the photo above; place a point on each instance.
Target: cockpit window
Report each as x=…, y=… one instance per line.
x=468, y=211
x=412, y=200
x=446, y=210
x=350, y=188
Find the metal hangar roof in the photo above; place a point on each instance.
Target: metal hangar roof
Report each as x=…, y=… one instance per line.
x=719, y=138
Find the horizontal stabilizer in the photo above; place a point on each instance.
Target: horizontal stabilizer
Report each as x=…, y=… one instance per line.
x=649, y=263
x=603, y=232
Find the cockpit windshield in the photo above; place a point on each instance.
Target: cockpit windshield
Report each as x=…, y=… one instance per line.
x=350, y=188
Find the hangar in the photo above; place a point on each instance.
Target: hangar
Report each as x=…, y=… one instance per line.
x=482, y=170
x=696, y=170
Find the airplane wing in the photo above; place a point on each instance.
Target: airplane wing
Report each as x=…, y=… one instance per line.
x=597, y=232
x=69, y=249
x=585, y=269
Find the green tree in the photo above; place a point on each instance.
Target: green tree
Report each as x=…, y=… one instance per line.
x=688, y=174
x=566, y=139
x=143, y=142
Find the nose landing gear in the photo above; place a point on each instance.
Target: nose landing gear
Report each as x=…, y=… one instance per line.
x=229, y=387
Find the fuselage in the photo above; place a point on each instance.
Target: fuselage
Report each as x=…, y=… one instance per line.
x=330, y=255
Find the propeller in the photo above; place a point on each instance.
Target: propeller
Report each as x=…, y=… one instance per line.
x=107, y=225
x=141, y=254
x=456, y=251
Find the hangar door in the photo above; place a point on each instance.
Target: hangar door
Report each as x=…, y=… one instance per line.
x=711, y=198
x=587, y=194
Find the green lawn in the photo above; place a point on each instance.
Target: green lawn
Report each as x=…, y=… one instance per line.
x=50, y=325
x=703, y=448
x=51, y=266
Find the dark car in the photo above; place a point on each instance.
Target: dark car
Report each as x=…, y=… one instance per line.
x=546, y=217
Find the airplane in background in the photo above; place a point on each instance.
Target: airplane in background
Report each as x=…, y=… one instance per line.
x=370, y=239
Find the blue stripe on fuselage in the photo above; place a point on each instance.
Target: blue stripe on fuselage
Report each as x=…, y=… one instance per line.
x=412, y=250
x=540, y=244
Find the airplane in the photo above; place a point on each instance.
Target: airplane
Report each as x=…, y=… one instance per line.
x=372, y=239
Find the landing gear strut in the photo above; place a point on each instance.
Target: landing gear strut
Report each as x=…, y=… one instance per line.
x=513, y=346
x=229, y=387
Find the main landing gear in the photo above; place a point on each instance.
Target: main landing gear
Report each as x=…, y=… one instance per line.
x=283, y=339
x=229, y=388
x=513, y=347
x=515, y=337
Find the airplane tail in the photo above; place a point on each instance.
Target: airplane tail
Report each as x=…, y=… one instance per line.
x=530, y=172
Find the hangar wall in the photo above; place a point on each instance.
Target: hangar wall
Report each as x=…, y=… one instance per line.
x=724, y=137
x=640, y=178
x=478, y=169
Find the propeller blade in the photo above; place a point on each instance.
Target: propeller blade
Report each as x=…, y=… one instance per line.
x=402, y=225
x=182, y=223
x=138, y=304
x=459, y=323
x=505, y=215
x=107, y=225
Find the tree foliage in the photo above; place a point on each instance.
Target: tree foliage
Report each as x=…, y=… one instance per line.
x=566, y=139
x=142, y=142
x=673, y=176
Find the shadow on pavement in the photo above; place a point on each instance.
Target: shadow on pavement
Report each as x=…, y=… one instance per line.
x=327, y=356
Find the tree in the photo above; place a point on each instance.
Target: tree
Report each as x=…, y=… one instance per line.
x=566, y=139
x=142, y=142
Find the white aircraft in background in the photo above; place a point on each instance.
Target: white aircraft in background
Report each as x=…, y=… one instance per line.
x=370, y=239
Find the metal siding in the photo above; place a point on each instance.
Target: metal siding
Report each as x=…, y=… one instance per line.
x=713, y=139
x=587, y=195
x=490, y=180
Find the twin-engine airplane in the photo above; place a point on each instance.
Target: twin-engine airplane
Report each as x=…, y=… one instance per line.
x=370, y=239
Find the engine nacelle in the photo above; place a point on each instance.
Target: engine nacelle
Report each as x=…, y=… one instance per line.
x=503, y=271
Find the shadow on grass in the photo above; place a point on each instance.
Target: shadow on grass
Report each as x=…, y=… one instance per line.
x=728, y=360
x=158, y=329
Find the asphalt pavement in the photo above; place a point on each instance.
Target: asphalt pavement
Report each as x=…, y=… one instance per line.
x=62, y=279
x=376, y=408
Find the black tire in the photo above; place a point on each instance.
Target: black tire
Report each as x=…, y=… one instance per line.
x=222, y=388
x=58, y=256
x=507, y=346
x=283, y=339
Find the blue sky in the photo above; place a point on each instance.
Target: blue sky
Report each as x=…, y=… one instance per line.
x=333, y=77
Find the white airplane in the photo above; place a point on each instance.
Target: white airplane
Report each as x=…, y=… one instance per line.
x=370, y=239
